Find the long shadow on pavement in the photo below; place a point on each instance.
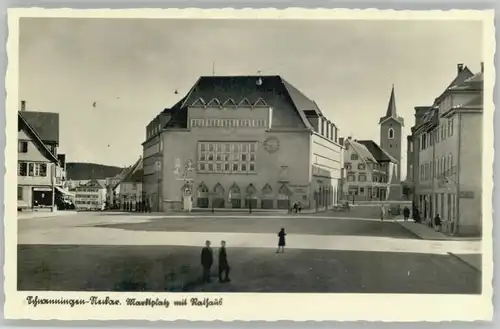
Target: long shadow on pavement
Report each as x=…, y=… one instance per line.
x=167, y=268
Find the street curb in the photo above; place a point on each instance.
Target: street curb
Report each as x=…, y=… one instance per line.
x=415, y=234
x=48, y=215
x=464, y=262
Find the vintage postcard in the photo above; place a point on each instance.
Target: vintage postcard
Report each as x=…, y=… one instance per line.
x=301, y=165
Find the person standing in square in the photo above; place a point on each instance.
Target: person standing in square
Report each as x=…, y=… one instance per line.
x=223, y=263
x=206, y=261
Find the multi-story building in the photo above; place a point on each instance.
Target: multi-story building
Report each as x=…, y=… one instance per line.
x=447, y=154
x=129, y=189
x=239, y=141
x=372, y=171
x=90, y=196
x=366, y=167
x=36, y=168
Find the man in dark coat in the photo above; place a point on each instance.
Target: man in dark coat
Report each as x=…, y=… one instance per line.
x=207, y=260
x=416, y=215
x=406, y=213
x=223, y=263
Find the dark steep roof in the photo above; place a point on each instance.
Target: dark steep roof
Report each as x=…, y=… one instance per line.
x=391, y=110
x=288, y=102
x=475, y=82
x=463, y=75
x=22, y=122
x=378, y=153
x=46, y=125
x=135, y=173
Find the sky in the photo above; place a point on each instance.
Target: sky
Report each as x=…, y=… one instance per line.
x=131, y=68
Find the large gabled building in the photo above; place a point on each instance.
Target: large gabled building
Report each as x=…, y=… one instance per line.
x=239, y=141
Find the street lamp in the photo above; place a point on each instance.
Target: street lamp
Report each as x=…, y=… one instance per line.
x=249, y=198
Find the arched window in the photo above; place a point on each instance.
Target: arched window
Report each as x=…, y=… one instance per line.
x=234, y=196
x=391, y=133
x=219, y=190
x=267, y=190
x=251, y=189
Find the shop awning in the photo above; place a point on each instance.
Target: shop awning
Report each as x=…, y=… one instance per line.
x=63, y=191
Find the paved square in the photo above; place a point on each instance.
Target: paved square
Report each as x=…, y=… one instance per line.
x=98, y=252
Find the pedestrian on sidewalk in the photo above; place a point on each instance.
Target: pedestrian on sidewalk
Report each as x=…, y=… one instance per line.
x=223, y=263
x=207, y=260
x=406, y=213
x=299, y=206
x=437, y=223
x=281, y=240
x=416, y=215
x=382, y=212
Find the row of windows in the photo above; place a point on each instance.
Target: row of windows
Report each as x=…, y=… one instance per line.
x=436, y=168
x=87, y=189
x=233, y=167
x=213, y=156
x=352, y=178
x=363, y=178
x=229, y=123
x=95, y=203
x=348, y=166
x=440, y=133
x=84, y=197
x=227, y=147
x=226, y=157
x=33, y=169
x=153, y=131
x=361, y=166
x=328, y=130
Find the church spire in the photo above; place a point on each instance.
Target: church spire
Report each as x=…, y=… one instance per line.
x=391, y=108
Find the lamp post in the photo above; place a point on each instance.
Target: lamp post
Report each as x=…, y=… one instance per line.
x=249, y=197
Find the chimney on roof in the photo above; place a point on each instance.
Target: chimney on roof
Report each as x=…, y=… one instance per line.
x=460, y=67
x=482, y=67
x=23, y=105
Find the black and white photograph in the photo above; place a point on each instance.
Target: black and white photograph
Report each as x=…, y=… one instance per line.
x=185, y=162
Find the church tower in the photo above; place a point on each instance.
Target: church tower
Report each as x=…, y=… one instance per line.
x=391, y=132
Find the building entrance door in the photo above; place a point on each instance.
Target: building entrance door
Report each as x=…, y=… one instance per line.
x=42, y=197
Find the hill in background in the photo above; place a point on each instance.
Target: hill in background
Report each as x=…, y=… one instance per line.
x=83, y=171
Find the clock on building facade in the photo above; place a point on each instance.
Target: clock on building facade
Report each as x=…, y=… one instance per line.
x=272, y=144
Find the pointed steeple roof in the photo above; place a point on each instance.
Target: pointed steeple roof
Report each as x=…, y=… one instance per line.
x=391, y=109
